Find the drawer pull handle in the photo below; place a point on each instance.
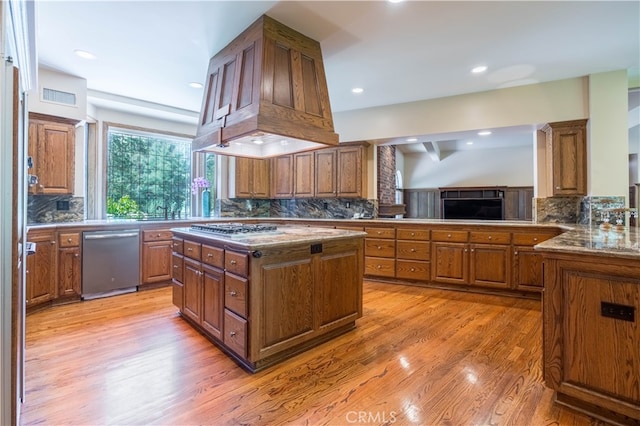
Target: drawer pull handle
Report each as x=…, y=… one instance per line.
x=413, y=250
x=413, y=269
x=413, y=234
x=189, y=249
x=490, y=237
x=69, y=240
x=379, y=247
x=379, y=232
x=535, y=239
x=233, y=293
x=209, y=254
x=233, y=262
x=516, y=253
x=379, y=266
x=76, y=255
x=158, y=235
x=232, y=333
x=175, y=266
x=448, y=235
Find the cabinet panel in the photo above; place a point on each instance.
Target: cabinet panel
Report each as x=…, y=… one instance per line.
x=379, y=266
x=326, y=173
x=212, y=303
x=69, y=272
x=567, y=157
x=282, y=177
x=379, y=248
x=380, y=232
x=412, y=234
x=416, y=250
x=349, y=172
x=192, y=290
x=157, y=264
x=527, y=269
x=69, y=239
x=252, y=178
x=178, y=267
x=413, y=270
x=41, y=268
x=235, y=333
x=156, y=235
x=452, y=236
x=236, y=263
x=235, y=294
x=52, y=147
x=450, y=263
x=304, y=175
x=490, y=265
x=213, y=256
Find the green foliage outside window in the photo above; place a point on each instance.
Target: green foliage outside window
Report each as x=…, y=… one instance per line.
x=147, y=174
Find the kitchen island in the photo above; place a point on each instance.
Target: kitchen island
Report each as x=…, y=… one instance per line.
x=591, y=332
x=265, y=296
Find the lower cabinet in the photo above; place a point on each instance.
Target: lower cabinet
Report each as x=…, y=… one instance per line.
x=69, y=265
x=527, y=262
x=212, y=300
x=41, y=268
x=591, y=334
x=157, y=247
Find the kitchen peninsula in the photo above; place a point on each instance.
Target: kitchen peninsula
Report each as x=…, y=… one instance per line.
x=267, y=295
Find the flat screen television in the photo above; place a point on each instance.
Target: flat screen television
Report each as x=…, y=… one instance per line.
x=474, y=209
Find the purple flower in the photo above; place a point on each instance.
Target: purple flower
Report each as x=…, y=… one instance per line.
x=199, y=182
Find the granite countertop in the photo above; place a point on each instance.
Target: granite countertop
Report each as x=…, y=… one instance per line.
x=284, y=236
x=593, y=240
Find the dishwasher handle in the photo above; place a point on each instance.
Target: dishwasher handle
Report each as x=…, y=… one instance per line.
x=110, y=235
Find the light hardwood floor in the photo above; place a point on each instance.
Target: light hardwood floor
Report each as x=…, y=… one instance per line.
x=418, y=356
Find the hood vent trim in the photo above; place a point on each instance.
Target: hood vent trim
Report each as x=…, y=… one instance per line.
x=266, y=95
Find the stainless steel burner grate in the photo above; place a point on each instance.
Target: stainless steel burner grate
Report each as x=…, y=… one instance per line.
x=233, y=228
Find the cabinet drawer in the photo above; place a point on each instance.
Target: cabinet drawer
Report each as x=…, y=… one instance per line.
x=178, y=267
x=412, y=234
x=455, y=236
x=213, y=256
x=235, y=262
x=192, y=250
x=491, y=237
x=235, y=294
x=531, y=239
x=413, y=270
x=379, y=266
x=380, y=232
x=178, y=245
x=415, y=250
x=235, y=333
x=157, y=235
x=69, y=239
x=379, y=248
x=178, y=294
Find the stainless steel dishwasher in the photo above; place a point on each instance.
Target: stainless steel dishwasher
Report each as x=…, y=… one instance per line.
x=110, y=262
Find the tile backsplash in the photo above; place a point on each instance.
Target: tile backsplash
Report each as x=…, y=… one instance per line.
x=312, y=208
x=44, y=209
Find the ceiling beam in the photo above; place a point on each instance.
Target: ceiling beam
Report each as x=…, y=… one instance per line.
x=433, y=150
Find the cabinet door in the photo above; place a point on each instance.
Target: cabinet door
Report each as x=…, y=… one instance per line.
x=304, y=173
x=192, y=290
x=52, y=147
x=490, y=265
x=282, y=177
x=252, y=178
x=567, y=148
x=213, y=301
x=325, y=173
x=349, y=172
x=156, y=261
x=41, y=269
x=260, y=179
x=527, y=269
x=69, y=270
x=450, y=263
x=244, y=170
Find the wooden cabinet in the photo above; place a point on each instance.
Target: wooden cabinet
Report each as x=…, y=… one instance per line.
x=157, y=249
x=380, y=252
x=41, y=268
x=341, y=172
x=252, y=178
x=265, y=305
x=282, y=176
x=413, y=252
x=566, y=151
x=591, y=334
x=304, y=167
x=69, y=264
x=52, y=148
x=485, y=261
x=518, y=203
x=527, y=262
x=326, y=173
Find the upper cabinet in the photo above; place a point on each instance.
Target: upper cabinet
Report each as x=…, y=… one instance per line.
x=52, y=148
x=252, y=178
x=566, y=150
x=282, y=177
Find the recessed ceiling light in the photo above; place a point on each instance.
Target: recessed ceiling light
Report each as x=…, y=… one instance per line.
x=395, y=1
x=84, y=54
x=195, y=85
x=484, y=133
x=357, y=90
x=412, y=140
x=470, y=143
x=258, y=141
x=479, y=69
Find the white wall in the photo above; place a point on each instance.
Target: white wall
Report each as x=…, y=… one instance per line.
x=63, y=82
x=486, y=167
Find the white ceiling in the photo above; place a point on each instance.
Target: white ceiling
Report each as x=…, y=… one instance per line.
x=148, y=51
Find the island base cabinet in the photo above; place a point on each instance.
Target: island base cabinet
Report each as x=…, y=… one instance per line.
x=591, y=335
x=235, y=333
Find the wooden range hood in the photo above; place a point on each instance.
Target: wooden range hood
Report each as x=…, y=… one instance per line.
x=266, y=95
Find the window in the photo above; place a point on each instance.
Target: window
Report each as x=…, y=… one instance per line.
x=148, y=175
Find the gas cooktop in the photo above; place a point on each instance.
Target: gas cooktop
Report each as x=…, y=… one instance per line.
x=233, y=229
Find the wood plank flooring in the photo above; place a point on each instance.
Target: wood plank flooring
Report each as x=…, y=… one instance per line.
x=418, y=356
